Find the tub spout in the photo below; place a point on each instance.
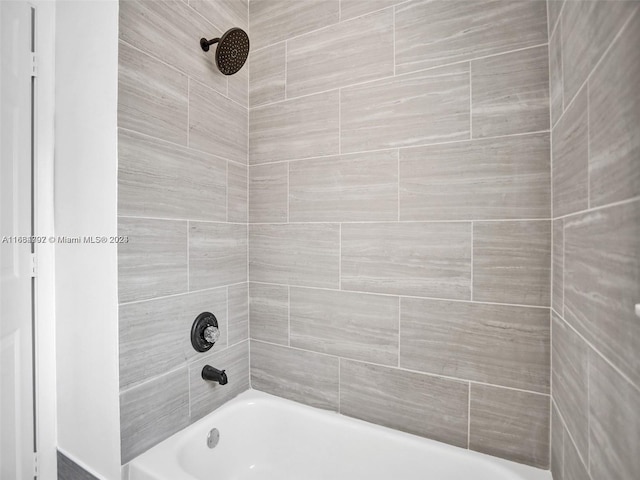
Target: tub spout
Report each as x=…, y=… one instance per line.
x=214, y=375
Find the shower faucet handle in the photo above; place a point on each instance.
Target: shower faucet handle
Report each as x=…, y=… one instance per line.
x=212, y=334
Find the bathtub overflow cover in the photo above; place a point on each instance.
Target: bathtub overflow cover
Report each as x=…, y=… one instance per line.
x=213, y=438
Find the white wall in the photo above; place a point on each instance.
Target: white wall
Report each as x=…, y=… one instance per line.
x=86, y=204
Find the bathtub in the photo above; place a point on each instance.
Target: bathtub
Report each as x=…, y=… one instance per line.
x=268, y=438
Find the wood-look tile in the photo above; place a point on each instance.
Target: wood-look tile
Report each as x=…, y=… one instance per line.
x=299, y=128
x=152, y=333
x=305, y=377
x=217, y=124
x=420, y=259
x=554, y=8
x=557, y=444
x=267, y=79
x=165, y=30
x=569, y=375
x=224, y=14
x=70, y=470
x=588, y=28
x=296, y=254
x=237, y=192
x=269, y=313
x=555, y=75
x=574, y=469
x=153, y=412
x=510, y=93
x=614, y=425
x=268, y=193
x=463, y=30
x=159, y=179
x=351, y=325
x=152, y=97
x=205, y=396
x=360, y=50
x=238, y=313
x=358, y=187
x=153, y=262
x=238, y=89
x=355, y=8
x=557, y=290
x=484, y=179
x=272, y=21
x=424, y=107
x=497, y=344
x=571, y=159
x=512, y=262
x=614, y=120
x=602, y=282
x=428, y=406
x=511, y=424
x=217, y=254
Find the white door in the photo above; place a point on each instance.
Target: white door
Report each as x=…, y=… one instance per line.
x=16, y=311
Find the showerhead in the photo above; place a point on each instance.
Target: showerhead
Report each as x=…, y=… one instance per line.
x=232, y=50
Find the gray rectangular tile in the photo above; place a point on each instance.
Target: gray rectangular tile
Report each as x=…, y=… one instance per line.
x=224, y=14
x=424, y=107
x=570, y=153
x=269, y=313
x=614, y=120
x=299, y=128
x=614, y=426
x=238, y=312
x=306, y=255
x=510, y=93
x=206, y=396
x=70, y=470
x=556, y=461
x=361, y=50
x=272, y=21
x=497, y=344
x=152, y=97
x=355, y=8
x=267, y=79
x=158, y=179
x=505, y=177
x=216, y=124
x=217, y=254
x=463, y=30
x=428, y=406
x=268, y=186
x=305, y=377
x=153, y=337
x=358, y=187
x=238, y=89
x=420, y=259
x=154, y=261
x=510, y=424
x=352, y=325
x=602, y=282
x=152, y=412
x=557, y=288
x=512, y=262
x=164, y=29
x=237, y=193
x=569, y=375
x=555, y=75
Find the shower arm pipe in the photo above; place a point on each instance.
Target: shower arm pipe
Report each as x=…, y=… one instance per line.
x=205, y=44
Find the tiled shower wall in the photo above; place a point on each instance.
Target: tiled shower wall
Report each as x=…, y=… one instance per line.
x=595, y=110
x=399, y=215
x=182, y=201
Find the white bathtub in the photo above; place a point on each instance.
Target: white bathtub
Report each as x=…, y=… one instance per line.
x=268, y=438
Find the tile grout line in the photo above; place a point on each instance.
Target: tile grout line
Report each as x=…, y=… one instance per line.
x=469, y=418
x=188, y=255
x=470, y=103
x=398, y=182
x=289, y=315
x=340, y=257
x=567, y=433
x=374, y=222
x=588, y=149
x=190, y=292
x=471, y=287
x=399, y=329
